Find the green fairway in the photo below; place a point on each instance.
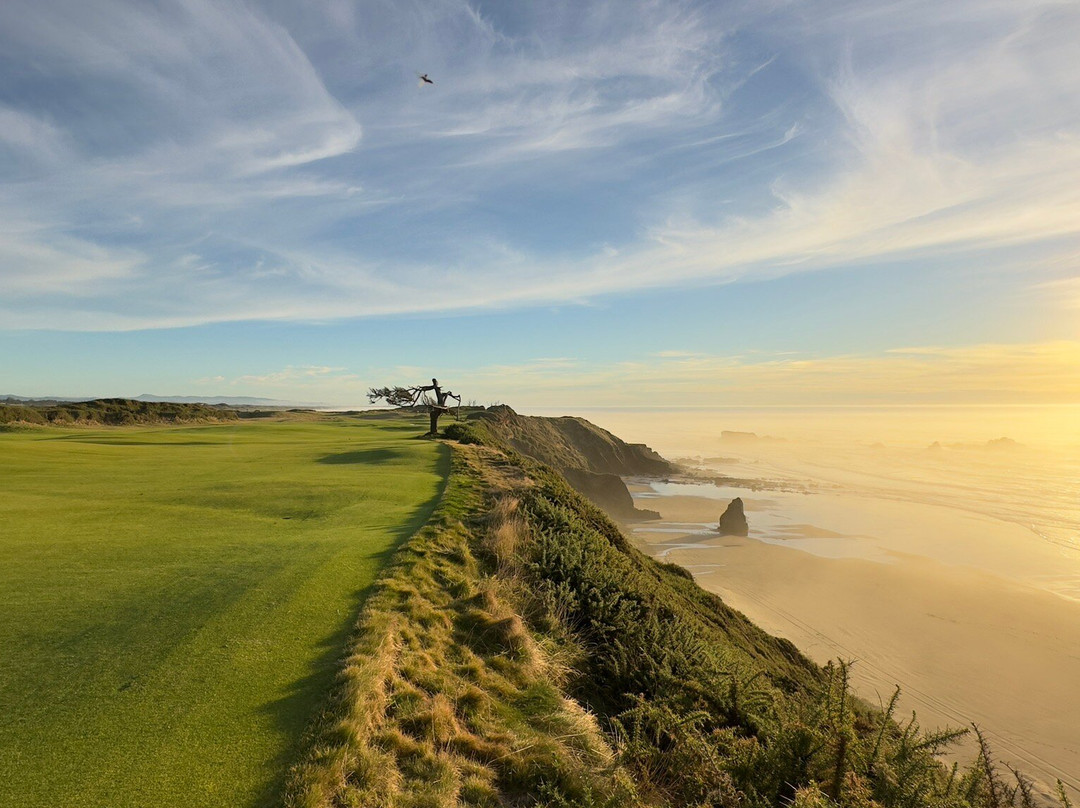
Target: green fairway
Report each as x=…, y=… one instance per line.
x=174, y=601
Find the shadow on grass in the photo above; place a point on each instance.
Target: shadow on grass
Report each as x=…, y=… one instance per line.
x=133, y=440
x=296, y=712
x=371, y=456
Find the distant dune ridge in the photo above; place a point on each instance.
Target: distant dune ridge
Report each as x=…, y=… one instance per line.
x=226, y=400
x=114, y=412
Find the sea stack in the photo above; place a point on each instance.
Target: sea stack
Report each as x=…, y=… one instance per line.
x=733, y=521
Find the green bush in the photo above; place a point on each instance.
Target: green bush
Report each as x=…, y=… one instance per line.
x=14, y=413
x=705, y=708
x=115, y=412
x=467, y=432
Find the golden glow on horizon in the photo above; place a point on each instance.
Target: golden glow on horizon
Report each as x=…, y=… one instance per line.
x=973, y=376
x=1034, y=373
x=696, y=432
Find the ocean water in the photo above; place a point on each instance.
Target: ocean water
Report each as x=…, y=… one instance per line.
x=914, y=541
x=1020, y=465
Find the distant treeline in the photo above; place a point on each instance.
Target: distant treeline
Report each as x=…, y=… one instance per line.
x=115, y=412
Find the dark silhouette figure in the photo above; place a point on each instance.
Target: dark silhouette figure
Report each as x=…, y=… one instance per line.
x=425, y=80
x=411, y=396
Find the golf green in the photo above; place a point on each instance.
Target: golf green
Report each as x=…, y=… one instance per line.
x=174, y=601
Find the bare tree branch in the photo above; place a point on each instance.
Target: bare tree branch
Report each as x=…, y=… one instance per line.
x=410, y=396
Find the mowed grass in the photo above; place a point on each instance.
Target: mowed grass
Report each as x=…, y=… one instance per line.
x=174, y=602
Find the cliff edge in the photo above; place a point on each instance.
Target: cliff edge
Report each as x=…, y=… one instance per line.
x=518, y=651
x=592, y=459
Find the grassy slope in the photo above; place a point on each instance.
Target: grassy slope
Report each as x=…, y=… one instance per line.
x=518, y=604
x=175, y=600
x=447, y=699
x=470, y=666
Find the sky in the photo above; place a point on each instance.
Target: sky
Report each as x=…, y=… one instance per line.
x=595, y=204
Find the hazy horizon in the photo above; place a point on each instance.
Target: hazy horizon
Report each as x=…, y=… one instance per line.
x=594, y=204
x=851, y=227
x=1036, y=426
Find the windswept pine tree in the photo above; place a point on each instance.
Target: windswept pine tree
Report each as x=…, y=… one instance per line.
x=431, y=395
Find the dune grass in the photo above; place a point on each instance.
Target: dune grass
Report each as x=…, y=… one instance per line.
x=447, y=699
x=175, y=601
x=519, y=651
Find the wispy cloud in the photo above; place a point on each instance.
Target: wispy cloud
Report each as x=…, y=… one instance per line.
x=1063, y=291
x=981, y=374
x=29, y=137
x=58, y=263
x=203, y=162
x=675, y=354
x=1028, y=373
x=295, y=377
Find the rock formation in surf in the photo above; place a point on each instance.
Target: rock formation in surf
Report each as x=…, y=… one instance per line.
x=733, y=520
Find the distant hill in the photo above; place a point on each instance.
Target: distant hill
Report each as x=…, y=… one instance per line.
x=235, y=401
x=232, y=401
x=45, y=401
x=114, y=412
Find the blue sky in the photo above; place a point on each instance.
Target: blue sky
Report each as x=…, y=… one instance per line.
x=595, y=203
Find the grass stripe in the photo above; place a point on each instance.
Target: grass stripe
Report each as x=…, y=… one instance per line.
x=175, y=600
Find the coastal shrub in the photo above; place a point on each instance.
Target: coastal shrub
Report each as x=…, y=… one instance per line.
x=447, y=697
x=467, y=432
x=115, y=412
x=675, y=569
x=521, y=652
x=705, y=708
x=16, y=414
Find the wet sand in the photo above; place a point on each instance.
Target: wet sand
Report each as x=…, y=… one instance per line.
x=971, y=617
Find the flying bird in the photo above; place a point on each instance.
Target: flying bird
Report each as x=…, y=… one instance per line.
x=423, y=80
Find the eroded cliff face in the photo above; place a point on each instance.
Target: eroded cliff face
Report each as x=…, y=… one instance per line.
x=569, y=442
x=519, y=650
x=592, y=459
x=609, y=492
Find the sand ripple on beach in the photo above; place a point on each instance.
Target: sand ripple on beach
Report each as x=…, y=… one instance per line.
x=953, y=576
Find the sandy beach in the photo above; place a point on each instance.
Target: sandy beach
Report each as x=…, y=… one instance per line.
x=975, y=618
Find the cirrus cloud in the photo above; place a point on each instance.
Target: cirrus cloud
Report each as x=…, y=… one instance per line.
x=196, y=162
